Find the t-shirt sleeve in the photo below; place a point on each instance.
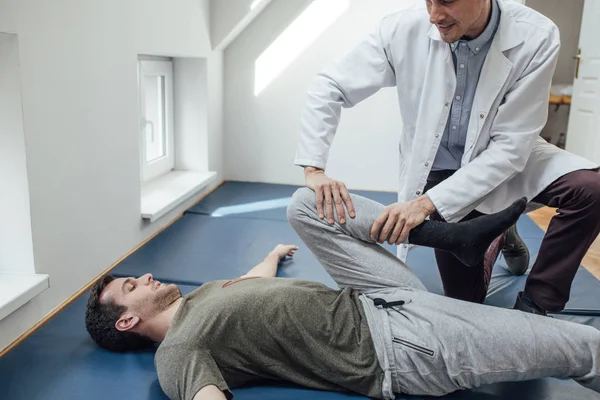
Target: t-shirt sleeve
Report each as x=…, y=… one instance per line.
x=190, y=373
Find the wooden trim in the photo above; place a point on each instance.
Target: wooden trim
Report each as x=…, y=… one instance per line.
x=89, y=285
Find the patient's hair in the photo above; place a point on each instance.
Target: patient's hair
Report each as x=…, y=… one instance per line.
x=100, y=320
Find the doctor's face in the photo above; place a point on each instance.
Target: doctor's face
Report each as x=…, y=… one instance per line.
x=457, y=18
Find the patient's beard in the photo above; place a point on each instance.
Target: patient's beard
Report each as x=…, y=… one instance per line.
x=165, y=296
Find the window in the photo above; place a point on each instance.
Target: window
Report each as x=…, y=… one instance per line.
x=174, y=163
x=156, y=110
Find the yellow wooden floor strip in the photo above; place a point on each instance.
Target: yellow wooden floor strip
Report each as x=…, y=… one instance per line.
x=591, y=261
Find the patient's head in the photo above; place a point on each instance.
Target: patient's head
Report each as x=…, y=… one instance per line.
x=119, y=309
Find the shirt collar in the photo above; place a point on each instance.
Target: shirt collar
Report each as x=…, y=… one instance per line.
x=486, y=36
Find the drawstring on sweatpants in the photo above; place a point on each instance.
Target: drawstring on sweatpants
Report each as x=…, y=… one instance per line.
x=391, y=304
x=385, y=304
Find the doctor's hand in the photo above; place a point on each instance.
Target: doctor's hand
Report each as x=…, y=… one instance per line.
x=330, y=193
x=396, y=221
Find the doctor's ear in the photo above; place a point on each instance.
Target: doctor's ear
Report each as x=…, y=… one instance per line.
x=127, y=322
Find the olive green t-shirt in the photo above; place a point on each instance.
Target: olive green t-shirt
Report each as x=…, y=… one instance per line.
x=234, y=333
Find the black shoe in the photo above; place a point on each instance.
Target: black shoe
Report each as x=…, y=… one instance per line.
x=525, y=304
x=515, y=252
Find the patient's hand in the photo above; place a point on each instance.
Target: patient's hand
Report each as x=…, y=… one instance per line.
x=283, y=250
x=330, y=192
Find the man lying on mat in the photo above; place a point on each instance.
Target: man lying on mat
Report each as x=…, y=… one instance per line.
x=381, y=334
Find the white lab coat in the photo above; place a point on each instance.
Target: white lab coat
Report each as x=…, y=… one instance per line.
x=504, y=158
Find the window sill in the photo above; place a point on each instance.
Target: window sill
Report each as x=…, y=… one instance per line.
x=163, y=194
x=18, y=289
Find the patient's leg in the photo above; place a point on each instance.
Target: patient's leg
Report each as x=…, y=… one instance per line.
x=467, y=240
x=353, y=259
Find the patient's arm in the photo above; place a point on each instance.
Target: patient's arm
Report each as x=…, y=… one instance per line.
x=268, y=267
x=210, y=392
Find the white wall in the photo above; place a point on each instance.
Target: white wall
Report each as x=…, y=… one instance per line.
x=79, y=84
x=215, y=112
x=16, y=247
x=230, y=17
x=261, y=133
x=191, y=114
x=567, y=15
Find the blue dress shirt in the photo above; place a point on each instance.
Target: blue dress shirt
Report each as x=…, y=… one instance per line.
x=468, y=56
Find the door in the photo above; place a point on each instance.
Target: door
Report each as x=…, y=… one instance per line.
x=583, y=134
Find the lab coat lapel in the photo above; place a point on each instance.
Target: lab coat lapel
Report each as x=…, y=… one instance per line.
x=494, y=74
x=445, y=79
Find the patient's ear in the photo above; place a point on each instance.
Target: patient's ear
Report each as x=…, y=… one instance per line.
x=127, y=322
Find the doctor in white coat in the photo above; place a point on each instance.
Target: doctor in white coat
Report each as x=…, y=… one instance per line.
x=473, y=80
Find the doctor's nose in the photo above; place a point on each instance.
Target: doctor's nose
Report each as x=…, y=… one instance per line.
x=437, y=14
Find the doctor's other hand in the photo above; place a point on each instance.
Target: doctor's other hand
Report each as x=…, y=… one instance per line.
x=329, y=193
x=395, y=222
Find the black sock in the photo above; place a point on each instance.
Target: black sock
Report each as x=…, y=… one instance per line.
x=468, y=240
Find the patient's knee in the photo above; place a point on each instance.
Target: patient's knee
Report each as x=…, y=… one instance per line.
x=302, y=201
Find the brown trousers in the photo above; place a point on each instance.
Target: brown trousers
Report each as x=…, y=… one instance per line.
x=571, y=232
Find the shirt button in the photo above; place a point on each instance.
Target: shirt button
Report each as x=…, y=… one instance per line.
x=462, y=65
x=418, y=192
x=454, y=127
x=446, y=104
x=457, y=97
x=427, y=164
x=476, y=48
x=463, y=44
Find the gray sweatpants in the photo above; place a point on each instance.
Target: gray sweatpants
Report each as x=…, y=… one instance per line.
x=434, y=345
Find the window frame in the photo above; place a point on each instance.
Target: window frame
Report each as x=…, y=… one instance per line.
x=162, y=165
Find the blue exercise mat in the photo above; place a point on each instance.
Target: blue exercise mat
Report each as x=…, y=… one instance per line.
x=60, y=361
x=262, y=200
